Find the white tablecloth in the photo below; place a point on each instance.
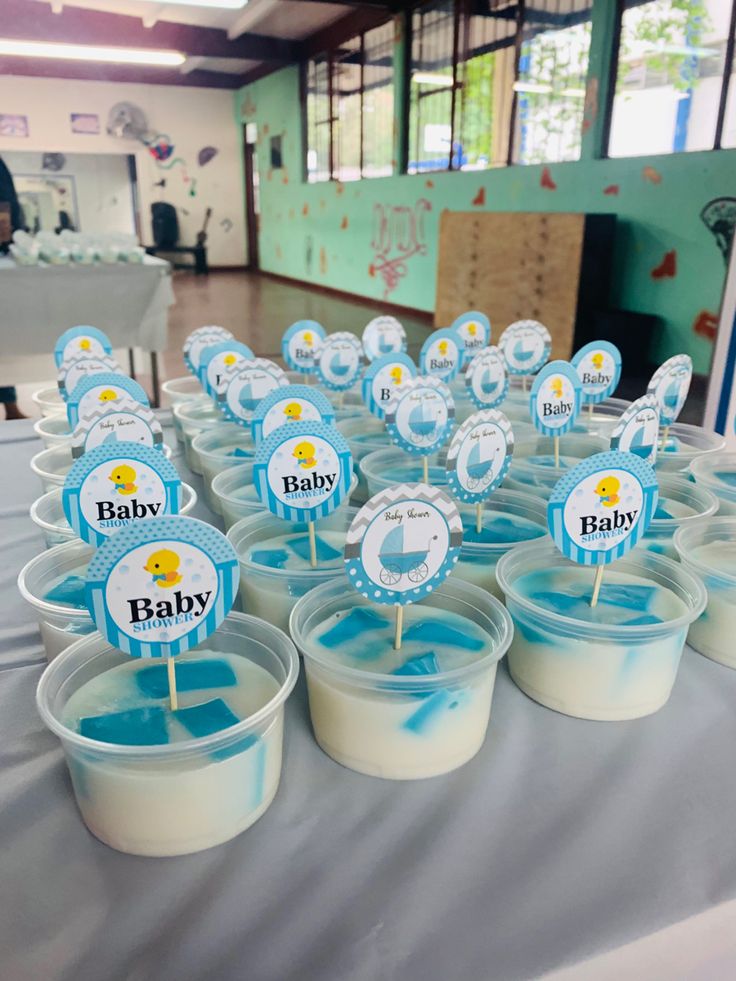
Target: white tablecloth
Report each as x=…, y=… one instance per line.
x=129, y=302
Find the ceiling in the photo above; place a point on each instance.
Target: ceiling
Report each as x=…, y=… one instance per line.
x=224, y=48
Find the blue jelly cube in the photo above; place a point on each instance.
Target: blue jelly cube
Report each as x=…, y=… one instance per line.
x=662, y=513
x=433, y=632
x=644, y=620
x=144, y=726
x=153, y=681
x=428, y=712
x=70, y=592
x=630, y=596
x=558, y=602
x=203, y=720
x=423, y=664
x=325, y=551
x=240, y=452
x=272, y=558
x=360, y=619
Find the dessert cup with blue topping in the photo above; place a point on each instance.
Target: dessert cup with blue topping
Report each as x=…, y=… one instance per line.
x=717, y=472
x=386, y=468
x=617, y=660
x=218, y=449
x=193, y=417
x=683, y=445
x=364, y=434
x=408, y=714
x=533, y=468
x=177, y=390
x=680, y=503
x=52, y=465
x=152, y=781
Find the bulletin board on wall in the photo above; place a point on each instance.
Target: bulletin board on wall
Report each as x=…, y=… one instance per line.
x=513, y=266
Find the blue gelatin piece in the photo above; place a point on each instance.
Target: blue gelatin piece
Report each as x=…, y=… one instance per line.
x=657, y=549
x=531, y=634
x=422, y=664
x=642, y=621
x=628, y=596
x=240, y=452
x=432, y=632
x=70, y=592
x=662, y=511
x=203, y=720
x=429, y=711
x=558, y=602
x=727, y=477
x=144, y=726
x=272, y=558
x=360, y=618
x=325, y=551
x=500, y=530
x=153, y=681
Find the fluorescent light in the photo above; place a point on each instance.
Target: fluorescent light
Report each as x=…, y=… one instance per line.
x=532, y=87
x=90, y=52
x=432, y=78
x=573, y=93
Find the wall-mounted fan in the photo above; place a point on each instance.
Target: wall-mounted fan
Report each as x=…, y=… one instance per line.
x=126, y=121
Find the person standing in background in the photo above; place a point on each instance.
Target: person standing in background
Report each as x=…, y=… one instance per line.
x=8, y=197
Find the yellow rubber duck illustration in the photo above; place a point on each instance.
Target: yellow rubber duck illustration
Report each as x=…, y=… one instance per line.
x=124, y=478
x=229, y=359
x=85, y=344
x=304, y=453
x=597, y=360
x=164, y=568
x=442, y=348
x=308, y=338
x=472, y=328
x=556, y=386
x=607, y=489
x=293, y=411
x=108, y=395
x=396, y=374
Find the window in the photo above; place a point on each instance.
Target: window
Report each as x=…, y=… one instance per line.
x=350, y=109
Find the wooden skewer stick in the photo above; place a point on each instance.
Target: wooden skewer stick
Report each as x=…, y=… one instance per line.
x=478, y=518
x=312, y=545
x=557, y=451
x=597, y=585
x=171, y=671
x=590, y=410
x=399, y=627
x=665, y=437
x=425, y=469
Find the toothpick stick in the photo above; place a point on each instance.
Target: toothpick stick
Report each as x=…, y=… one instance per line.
x=523, y=383
x=590, y=410
x=399, y=627
x=597, y=585
x=425, y=469
x=665, y=436
x=478, y=518
x=171, y=671
x=312, y=545
x=557, y=451
x=340, y=400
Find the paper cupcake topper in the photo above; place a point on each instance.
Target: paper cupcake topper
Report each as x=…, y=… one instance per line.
x=74, y=369
x=104, y=391
x=474, y=329
x=598, y=365
x=340, y=361
x=637, y=431
x=302, y=472
x=479, y=456
x=554, y=402
x=442, y=354
x=292, y=403
x=601, y=508
x=114, y=485
x=216, y=359
x=160, y=587
x=403, y=543
x=198, y=340
x=246, y=384
x=79, y=341
x=382, y=336
x=127, y=421
x=670, y=384
x=486, y=379
x=383, y=377
x=420, y=415
x=526, y=345
x=300, y=345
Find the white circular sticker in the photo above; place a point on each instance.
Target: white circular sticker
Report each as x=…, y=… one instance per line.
x=383, y=335
x=479, y=455
x=247, y=384
x=100, y=396
x=637, y=431
x=72, y=372
x=603, y=509
x=289, y=410
x=304, y=470
x=526, y=345
x=670, y=385
x=555, y=401
x=219, y=366
x=442, y=354
x=339, y=360
x=198, y=340
x=420, y=415
x=113, y=496
x=386, y=380
x=301, y=343
x=486, y=378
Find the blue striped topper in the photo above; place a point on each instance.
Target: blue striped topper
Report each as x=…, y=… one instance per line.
x=303, y=471
x=670, y=384
x=421, y=415
x=598, y=365
x=200, y=339
x=555, y=398
x=601, y=508
x=75, y=368
x=81, y=340
x=526, y=345
x=383, y=377
x=479, y=455
x=486, y=380
x=287, y=405
x=340, y=361
x=216, y=359
x=300, y=345
x=443, y=354
x=161, y=586
x=474, y=329
x=102, y=391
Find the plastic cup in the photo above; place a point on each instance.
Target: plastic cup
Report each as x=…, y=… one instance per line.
x=601, y=419
x=49, y=401
x=386, y=468
x=601, y=671
x=364, y=434
x=53, y=430
x=717, y=472
x=47, y=512
x=234, y=493
x=60, y=624
x=268, y=592
x=215, y=449
x=532, y=469
x=182, y=389
x=686, y=502
x=685, y=443
x=52, y=465
x=181, y=797
x=347, y=405
x=366, y=720
x=477, y=563
x=713, y=634
x=194, y=416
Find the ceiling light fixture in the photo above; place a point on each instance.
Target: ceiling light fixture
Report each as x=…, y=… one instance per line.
x=432, y=78
x=90, y=52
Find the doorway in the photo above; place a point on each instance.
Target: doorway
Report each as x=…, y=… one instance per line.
x=252, y=205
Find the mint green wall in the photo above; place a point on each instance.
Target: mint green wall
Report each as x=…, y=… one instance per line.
x=326, y=233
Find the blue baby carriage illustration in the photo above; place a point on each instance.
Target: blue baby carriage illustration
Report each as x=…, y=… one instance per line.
x=247, y=399
x=339, y=368
x=487, y=385
x=421, y=428
x=479, y=471
x=672, y=396
x=640, y=445
x=395, y=562
x=385, y=347
x=521, y=352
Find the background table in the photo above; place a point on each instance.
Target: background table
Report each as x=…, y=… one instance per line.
x=561, y=840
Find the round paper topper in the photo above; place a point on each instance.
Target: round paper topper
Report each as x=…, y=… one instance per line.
x=526, y=345
x=474, y=329
x=300, y=345
x=126, y=421
x=289, y=404
x=486, y=379
x=403, y=543
x=554, y=402
x=479, y=455
x=246, y=384
x=116, y=484
x=103, y=391
x=198, y=340
x=442, y=354
x=670, y=384
x=598, y=365
x=383, y=335
x=383, y=377
x=215, y=361
x=302, y=472
x=74, y=369
x=637, y=431
x=162, y=586
x=420, y=415
x=340, y=361
x=78, y=341
x=601, y=508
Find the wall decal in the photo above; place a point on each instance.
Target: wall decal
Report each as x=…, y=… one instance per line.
x=206, y=154
x=667, y=268
x=339, y=188
x=248, y=107
x=226, y=225
x=53, y=161
x=611, y=189
x=323, y=260
x=480, y=197
x=323, y=204
x=275, y=153
x=285, y=179
x=279, y=254
x=84, y=123
x=590, y=106
x=308, y=254
x=161, y=183
x=706, y=324
x=344, y=222
x=15, y=126
x=291, y=213
x=398, y=234
x=719, y=217
x=429, y=183
x=305, y=210
x=265, y=129
x=546, y=181
x=651, y=174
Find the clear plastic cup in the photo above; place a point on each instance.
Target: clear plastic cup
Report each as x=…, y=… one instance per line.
x=370, y=721
x=385, y=468
x=235, y=495
x=697, y=544
x=49, y=401
x=685, y=443
x=717, y=472
x=477, y=563
x=60, y=623
x=686, y=502
x=194, y=416
x=47, y=512
x=53, y=430
x=182, y=389
x=51, y=466
x=532, y=469
x=601, y=419
x=217, y=450
x=180, y=797
x=364, y=434
x=347, y=405
x=600, y=671
x=269, y=592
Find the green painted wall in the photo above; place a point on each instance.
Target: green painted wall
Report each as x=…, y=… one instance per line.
x=329, y=233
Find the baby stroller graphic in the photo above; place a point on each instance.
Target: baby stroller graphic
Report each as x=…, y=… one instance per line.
x=421, y=429
x=521, y=352
x=479, y=471
x=396, y=563
x=640, y=445
x=487, y=385
x=338, y=368
x=247, y=399
x=672, y=396
x=385, y=347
